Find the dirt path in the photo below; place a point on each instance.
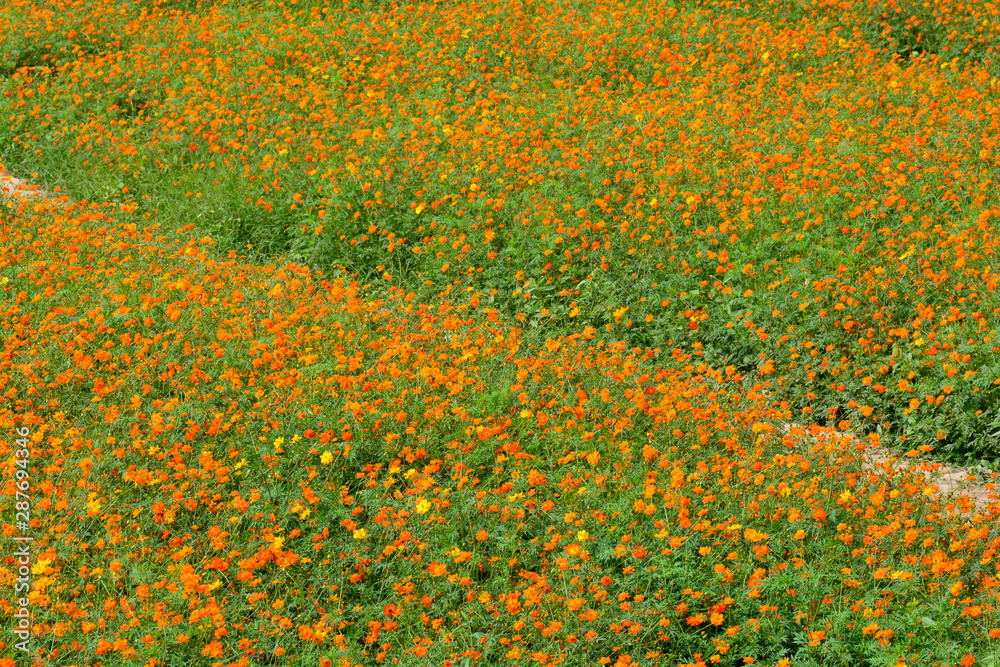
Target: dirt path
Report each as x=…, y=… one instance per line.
x=17, y=189
x=961, y=491
x=12, y=187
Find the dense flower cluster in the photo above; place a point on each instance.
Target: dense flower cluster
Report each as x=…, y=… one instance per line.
x=490, y=387
x=768, y=188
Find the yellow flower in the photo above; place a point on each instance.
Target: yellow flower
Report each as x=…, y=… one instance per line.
x=39, y=567
x=360, y=534
x=423, y=505
x=326, y=458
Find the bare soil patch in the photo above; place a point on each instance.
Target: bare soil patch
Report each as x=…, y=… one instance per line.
x=958, y=490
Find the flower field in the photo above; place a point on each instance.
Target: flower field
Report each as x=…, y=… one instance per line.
x=463, y=333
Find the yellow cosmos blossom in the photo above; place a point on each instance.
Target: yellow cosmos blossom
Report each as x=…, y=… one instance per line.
x=39, y=567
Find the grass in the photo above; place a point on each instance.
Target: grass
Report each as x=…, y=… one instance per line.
x=478, y=325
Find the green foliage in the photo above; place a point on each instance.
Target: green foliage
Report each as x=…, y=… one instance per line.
x=909, y=28
x=713, y=189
